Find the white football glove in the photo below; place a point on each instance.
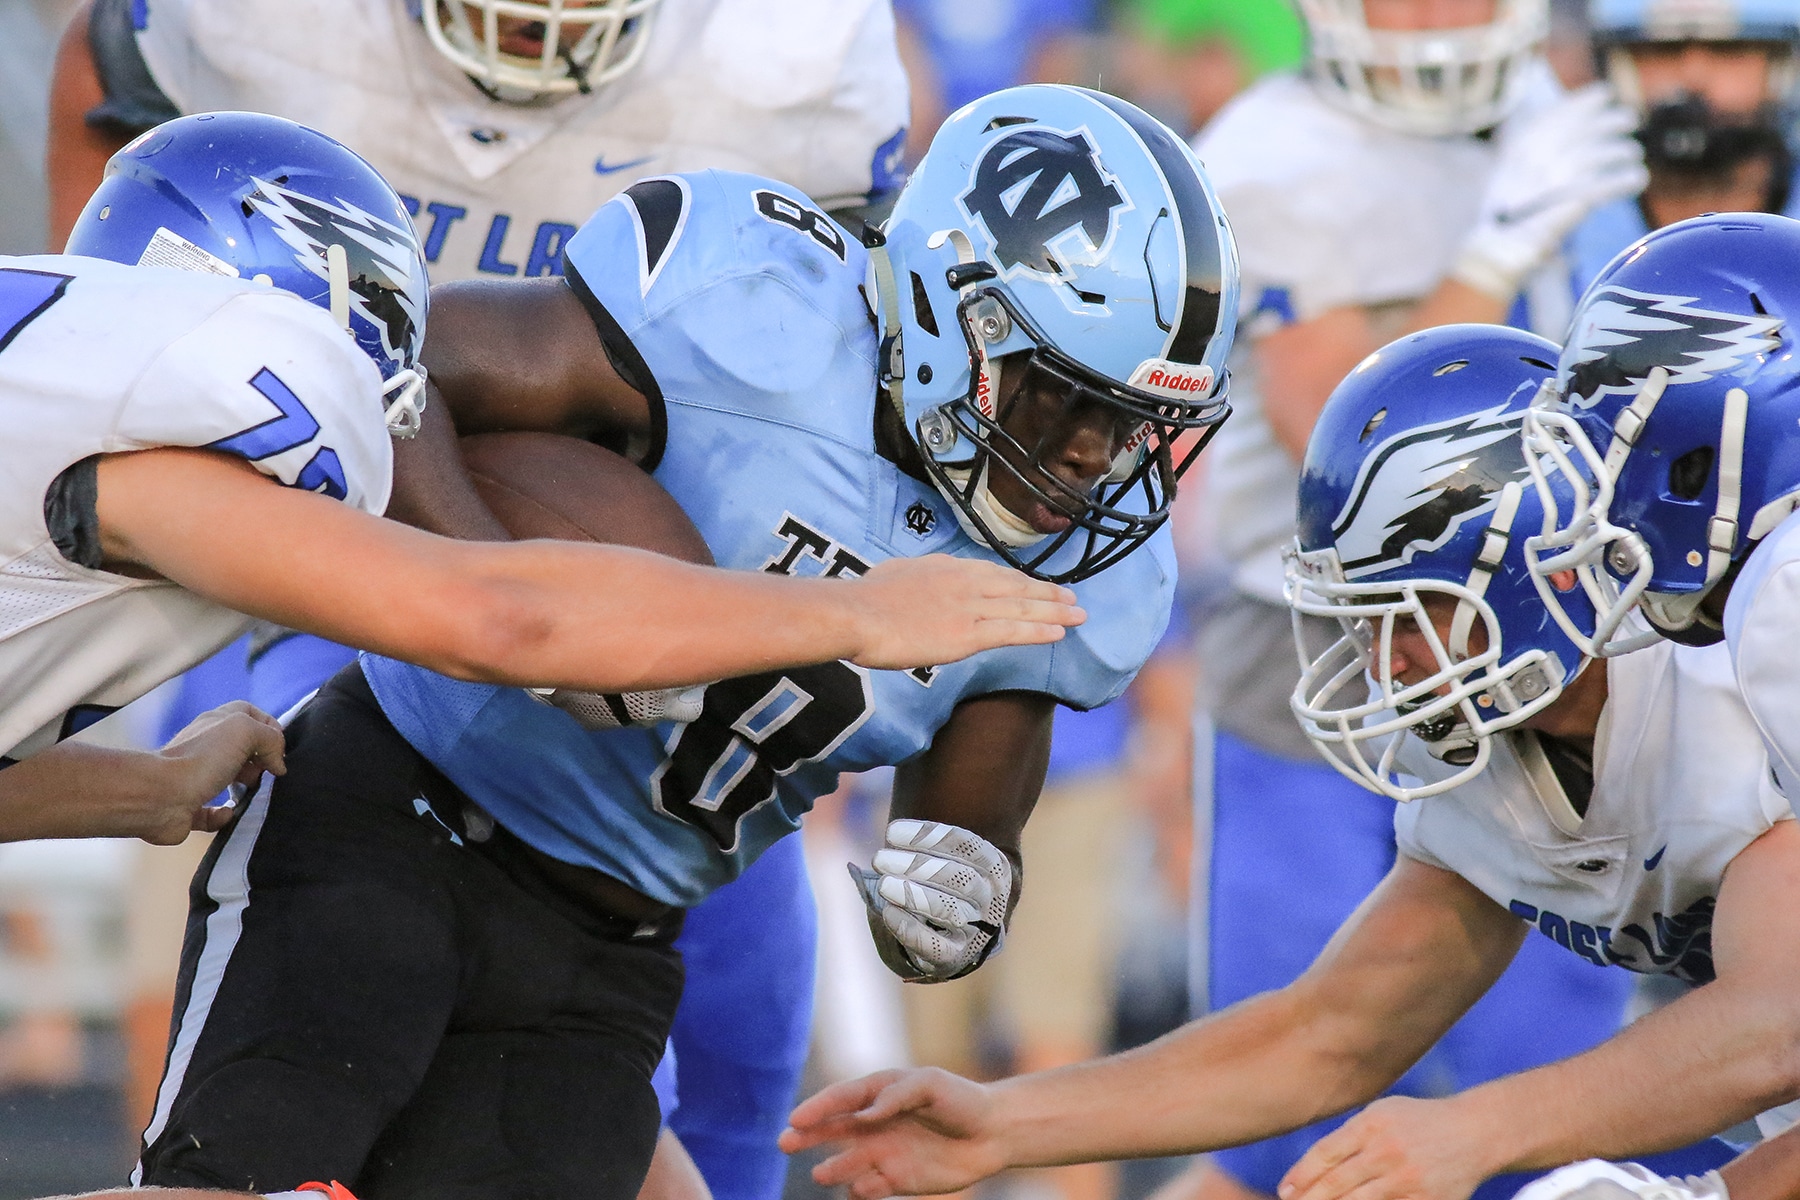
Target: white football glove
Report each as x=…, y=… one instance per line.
x=1598, y=1180
x=616, y=710
x=1555, y=166
x=938, y=900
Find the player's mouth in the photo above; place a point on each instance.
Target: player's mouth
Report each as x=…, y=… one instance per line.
x=1047, y=520
x=525, y=40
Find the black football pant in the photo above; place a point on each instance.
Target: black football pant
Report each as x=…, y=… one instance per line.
x=368, y=994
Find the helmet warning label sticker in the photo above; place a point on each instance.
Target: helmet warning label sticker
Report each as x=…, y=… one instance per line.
x=169, y=249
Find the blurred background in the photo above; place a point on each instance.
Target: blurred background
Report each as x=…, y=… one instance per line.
x=1097, y=964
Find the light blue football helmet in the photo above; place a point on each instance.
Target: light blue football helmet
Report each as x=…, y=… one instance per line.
x=1618, y=25
x=1072, y=230
x=260, y=197
x=1414, y=496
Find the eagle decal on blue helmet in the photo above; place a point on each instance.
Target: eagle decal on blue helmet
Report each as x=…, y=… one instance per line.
x=1038, y=193
x=1416, y=491
x=1621, y=335
x=386, y=276
x=263, y=198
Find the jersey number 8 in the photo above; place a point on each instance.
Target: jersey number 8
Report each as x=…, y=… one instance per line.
x=750, y=732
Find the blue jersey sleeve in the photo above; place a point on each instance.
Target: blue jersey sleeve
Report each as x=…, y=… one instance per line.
x=729, y=292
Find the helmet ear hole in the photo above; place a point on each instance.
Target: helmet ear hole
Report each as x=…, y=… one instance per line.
x=922, y=313
x=1689, y=473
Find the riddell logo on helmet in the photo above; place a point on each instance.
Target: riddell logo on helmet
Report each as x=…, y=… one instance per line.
x=1178, y=380
x=984, y=392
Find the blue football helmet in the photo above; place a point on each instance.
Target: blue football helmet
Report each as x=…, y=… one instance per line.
x=259, y=197
x=1067, y=235
x=1676, y=423
x=1413, y=496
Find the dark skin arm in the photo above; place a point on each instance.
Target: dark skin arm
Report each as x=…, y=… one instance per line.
x=505, y=357
x=984, y=770
x=76, y=158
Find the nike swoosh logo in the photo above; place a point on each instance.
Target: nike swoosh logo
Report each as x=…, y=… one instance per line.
x=1655, y=860
x=1512, y=216
x=602, y=167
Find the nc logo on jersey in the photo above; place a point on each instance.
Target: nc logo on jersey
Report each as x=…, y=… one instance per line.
x=387, y=277
x=1621, y=335
x=1420, y=487
x=1045, y=201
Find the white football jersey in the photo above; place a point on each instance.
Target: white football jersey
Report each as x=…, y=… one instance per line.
x=1329, y=210
x=1681, y=786
x=1762, y=628
x=810, y=92
x=97, y=358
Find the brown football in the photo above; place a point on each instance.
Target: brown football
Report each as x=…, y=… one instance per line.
x=544, y=485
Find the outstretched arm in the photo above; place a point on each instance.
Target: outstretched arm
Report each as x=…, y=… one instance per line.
x=1411, y=960
x=75, y=789
x=539, y=613
x=1713, y=1058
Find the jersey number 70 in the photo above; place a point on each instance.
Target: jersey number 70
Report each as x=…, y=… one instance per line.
x=27, y=295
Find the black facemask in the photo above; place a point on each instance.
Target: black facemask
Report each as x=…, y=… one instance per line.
x=1685, y=137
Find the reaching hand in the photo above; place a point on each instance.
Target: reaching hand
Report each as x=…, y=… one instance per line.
x=234, y=743
x=938, y=900
x=914, y=1133
x=1555, y=166
x=1398, y=1148
x=924, y=612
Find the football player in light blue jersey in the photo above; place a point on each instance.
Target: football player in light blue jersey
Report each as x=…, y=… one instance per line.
x=1714, y=89
x=1020, y=372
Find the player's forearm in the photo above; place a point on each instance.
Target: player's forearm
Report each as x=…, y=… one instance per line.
x=1713, y=1058
x=76, y=152
x=75, y=790
x=613, y=618
x=1263, y=1067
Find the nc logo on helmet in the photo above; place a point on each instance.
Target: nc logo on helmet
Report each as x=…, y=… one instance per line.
x=1040, y=193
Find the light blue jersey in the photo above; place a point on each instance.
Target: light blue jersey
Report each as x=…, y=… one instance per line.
x=747, y=315
x=1612, y=227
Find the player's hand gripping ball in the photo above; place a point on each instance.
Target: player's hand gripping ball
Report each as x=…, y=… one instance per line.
x=938, y=900
x=544, y=485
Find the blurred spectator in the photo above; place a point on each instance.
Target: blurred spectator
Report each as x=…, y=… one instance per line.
x=1713, y=88
x=958, y=50
x=1569, y=48
x=28, y=30
x=1183, y=59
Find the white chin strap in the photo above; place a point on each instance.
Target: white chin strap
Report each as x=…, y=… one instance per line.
x=995, y=515
x=999, y=519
